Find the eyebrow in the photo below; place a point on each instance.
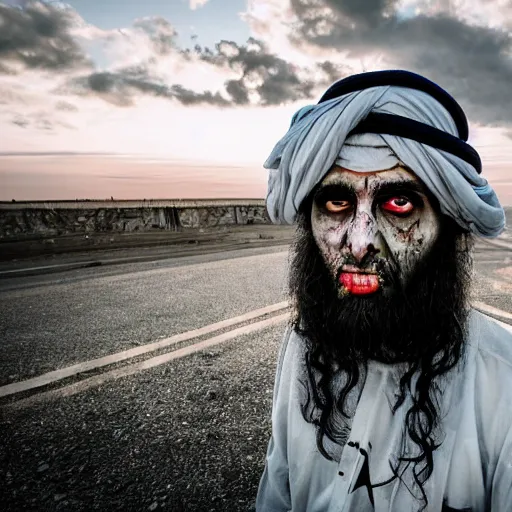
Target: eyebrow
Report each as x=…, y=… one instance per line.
x=335, y=189
x=400, y=186
x=348, y=189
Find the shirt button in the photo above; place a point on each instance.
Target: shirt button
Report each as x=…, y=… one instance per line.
x=341, y=473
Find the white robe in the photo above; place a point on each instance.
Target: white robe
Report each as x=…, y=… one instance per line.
x=472, y=468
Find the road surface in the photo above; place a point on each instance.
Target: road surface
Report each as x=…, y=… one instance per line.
x=148, y=386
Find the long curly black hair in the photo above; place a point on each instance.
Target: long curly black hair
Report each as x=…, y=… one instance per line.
x=422, y=325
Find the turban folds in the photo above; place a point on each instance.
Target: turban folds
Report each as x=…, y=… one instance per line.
x=326, y=134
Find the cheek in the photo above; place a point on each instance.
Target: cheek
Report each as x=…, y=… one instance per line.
x=329, y=239
x=411, y=241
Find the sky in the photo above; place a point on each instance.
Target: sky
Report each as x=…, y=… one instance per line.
x=186, y=98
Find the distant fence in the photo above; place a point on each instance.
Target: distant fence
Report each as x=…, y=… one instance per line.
x=53, y=218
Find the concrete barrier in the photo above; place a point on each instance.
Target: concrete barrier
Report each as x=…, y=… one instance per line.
x=53, y=218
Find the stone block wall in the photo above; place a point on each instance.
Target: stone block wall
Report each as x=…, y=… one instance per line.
x=84, y=218
x=222, y=216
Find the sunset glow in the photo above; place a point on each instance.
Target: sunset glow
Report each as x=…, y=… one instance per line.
x=168, y=99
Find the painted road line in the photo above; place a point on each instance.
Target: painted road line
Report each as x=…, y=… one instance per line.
x=51, y=268
x=56, y=375
x=491, y=310
x=97, y=380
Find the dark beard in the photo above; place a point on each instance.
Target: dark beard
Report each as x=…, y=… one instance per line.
x=422, y=324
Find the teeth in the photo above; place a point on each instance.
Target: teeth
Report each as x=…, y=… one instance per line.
x=359, y=283
x=360, y=280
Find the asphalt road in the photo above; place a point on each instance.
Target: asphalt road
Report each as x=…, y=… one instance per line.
x=186, y=434
x=56, y=320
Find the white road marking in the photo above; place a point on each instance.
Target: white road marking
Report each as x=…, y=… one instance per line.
x=63, y=373
x=54, y=376
x=97, y=380
x=49, y=267
x=485, y=308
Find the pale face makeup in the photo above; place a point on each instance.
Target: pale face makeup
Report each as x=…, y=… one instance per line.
x=365, y=223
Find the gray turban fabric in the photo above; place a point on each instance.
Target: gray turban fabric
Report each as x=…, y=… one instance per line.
x=317, y=139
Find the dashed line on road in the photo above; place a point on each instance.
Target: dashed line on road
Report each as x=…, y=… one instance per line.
x=70, y=371
x=125, y=371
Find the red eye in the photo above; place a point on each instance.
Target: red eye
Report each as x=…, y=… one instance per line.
x=400, y=205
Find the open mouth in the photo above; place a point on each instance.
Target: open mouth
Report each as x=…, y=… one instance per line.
x=359, y=283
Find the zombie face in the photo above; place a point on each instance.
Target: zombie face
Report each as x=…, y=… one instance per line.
x=370, y=226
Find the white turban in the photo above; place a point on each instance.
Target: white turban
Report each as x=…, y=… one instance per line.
x=317, y=139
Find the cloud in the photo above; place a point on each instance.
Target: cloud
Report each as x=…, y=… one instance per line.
x=161, y=33
x=472, y=61
x=65, y=106
x=196, y=4
x=464, y=45
x=121, y=87
x=20, y=121
x=487, y=13
x=41, y=121
x=146, y=60
x=257, y=78
x=189, y=97
x=264, y=78
x=38, y=37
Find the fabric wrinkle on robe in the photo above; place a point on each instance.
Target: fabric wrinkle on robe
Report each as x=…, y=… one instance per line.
x=473, y=464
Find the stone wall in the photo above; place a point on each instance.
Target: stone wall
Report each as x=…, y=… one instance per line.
x=53, y=219
x=218, y=216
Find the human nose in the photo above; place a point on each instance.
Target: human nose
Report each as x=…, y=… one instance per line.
x=363, y=239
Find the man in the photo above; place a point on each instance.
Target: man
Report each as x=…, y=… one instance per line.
x=391, y=393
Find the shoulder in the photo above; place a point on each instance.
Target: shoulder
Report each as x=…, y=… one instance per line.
x=291, y=355
x=491, y=376
x=293, y=349
x=488, y=388
x=492, y=341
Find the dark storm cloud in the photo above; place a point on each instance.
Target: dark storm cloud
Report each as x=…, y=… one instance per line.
x=119, y=88
x=274, y=80
x=161, y=33
x=188, y=97
x=369, y=12
x=472, y=62
x=38, y=37
x=268, y=78
x=238, y=92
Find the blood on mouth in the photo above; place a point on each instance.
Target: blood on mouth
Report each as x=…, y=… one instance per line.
x=359, y=283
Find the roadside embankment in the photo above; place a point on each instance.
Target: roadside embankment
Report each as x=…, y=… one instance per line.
x=47, y=229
